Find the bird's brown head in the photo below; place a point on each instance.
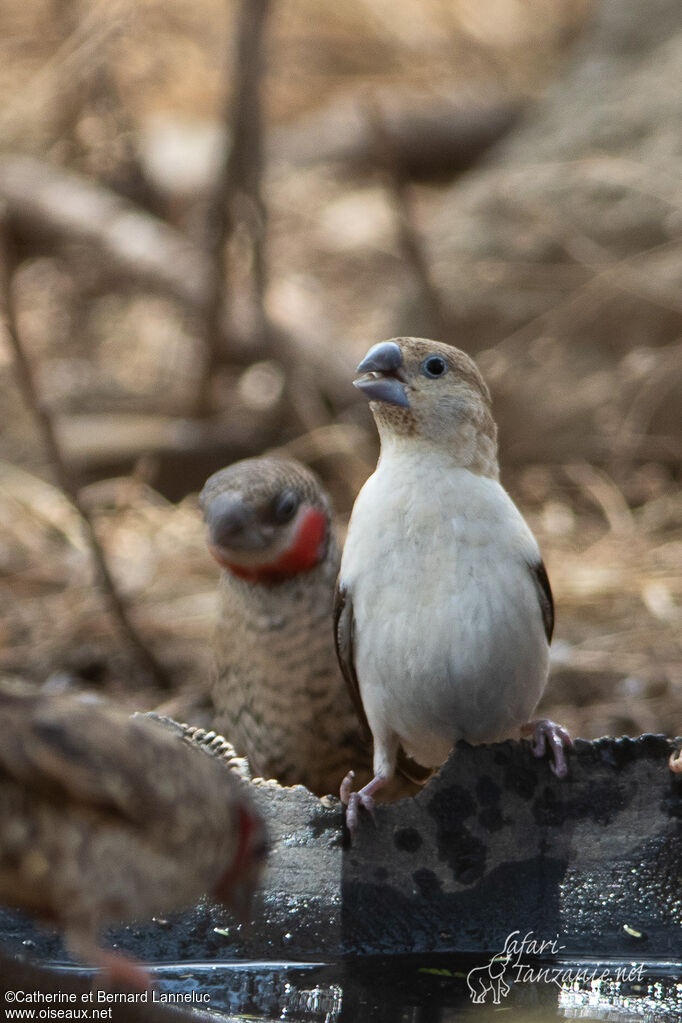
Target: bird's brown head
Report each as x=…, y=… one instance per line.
x=427, y=391
x=240, y=881
x=268, y=519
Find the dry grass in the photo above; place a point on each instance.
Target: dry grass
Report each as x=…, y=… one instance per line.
x=78, y=83
x=617, y=666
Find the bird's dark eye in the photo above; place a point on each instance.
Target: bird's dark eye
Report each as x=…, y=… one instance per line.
x=285, y=506
x=434, y=366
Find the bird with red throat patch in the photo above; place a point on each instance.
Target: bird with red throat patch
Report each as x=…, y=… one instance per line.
x=443, y=610
x=278, y=694
x=106, y=818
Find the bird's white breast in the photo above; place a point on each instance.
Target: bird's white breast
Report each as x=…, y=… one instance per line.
x=449, y=638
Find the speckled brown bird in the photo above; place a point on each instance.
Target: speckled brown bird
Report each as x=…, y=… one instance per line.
x=106, y=819
x=279, y=695
x=444, y=611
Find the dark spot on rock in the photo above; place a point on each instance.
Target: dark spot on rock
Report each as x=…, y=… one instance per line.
x=487, y=791
x=548, y=811
x=464, y=853
x=468, y=859
x=427, y=883
x=491, y=818
x=522, y=777
x=555, y=806
x=505, y=752
x=407, y=840
x=454, y=802
x=513, y=896
x=501, y=757
x=489, y=795
x=381, y=874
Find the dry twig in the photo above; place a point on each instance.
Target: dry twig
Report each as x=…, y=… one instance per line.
x=43, y=417
x=433, y=137
x=48, y=209
x=399, y=189
x=237, y=198
x=602, y=491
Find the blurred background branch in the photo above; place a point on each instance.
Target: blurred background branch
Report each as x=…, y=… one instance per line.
x=237, y=202
x=513, y=186
x=144, y=658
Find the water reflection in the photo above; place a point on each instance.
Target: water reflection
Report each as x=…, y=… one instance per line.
x=373, y=990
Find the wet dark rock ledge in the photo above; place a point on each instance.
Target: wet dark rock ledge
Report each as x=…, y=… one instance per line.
x=494, y=844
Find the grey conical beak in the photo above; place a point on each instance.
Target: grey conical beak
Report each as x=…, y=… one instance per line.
x=232, y=524
x=383, y=377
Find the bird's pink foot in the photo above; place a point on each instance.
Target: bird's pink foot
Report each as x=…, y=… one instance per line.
x=121, y=973
x=354, y=800
x=675, y=762
x=548, y=736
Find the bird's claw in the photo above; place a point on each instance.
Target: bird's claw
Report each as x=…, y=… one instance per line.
x=356, y=800
x=547, y=735
x=119, y=973
x=353, y=801
x=346, y=790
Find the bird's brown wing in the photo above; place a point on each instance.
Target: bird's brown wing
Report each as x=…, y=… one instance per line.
x=86, y=752
x=544, y=591
x=344, y=639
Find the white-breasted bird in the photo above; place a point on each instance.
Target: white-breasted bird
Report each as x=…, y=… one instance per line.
x=444, y=611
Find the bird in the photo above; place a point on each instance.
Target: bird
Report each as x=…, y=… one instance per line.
x=278, y=693
x=443, y=611
x=106, y=818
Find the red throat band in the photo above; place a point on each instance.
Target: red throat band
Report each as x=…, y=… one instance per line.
x=223, y=889
x=304, y=553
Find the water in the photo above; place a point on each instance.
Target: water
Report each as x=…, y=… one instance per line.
x=425, y=990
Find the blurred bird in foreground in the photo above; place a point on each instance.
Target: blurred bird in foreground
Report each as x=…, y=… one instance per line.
x=444, y=612
x=106, y=819
x=279, y=695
